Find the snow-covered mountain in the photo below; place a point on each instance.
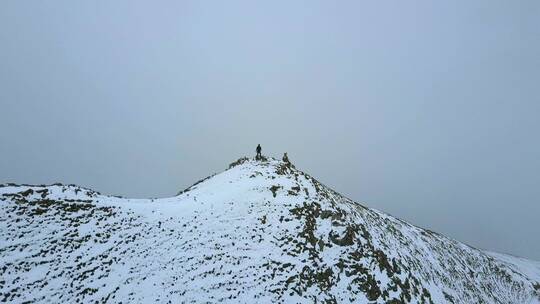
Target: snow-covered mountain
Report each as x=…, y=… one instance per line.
x=259, y=232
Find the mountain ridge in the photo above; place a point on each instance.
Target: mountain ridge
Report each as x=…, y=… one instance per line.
x=260, y=231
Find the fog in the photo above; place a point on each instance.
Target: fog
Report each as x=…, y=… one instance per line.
x=427, y=110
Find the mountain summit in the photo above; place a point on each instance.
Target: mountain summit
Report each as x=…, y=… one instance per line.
x=259, y=232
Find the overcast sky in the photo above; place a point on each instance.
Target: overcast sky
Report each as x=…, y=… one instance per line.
x=428, y=110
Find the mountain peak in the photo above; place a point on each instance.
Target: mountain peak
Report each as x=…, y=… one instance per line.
x=260, y=231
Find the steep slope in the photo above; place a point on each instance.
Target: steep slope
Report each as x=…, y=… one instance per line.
x=261, y=231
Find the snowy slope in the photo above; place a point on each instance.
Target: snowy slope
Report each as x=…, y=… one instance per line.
x=260, y=232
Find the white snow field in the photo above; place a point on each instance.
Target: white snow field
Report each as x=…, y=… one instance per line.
x=259, y=232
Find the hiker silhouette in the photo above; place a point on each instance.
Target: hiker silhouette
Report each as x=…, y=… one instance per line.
x=258, y=150
x=286, y=158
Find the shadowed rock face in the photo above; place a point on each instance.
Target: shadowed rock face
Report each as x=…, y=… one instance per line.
x=262, y=231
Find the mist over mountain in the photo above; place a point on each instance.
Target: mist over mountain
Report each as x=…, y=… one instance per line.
x=262, y=231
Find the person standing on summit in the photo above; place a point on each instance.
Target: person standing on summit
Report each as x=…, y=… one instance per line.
x=259, y=156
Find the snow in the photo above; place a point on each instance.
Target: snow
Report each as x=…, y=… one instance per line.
x=260, y=232
x=528, y=268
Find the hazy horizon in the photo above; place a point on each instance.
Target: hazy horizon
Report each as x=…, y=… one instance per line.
x=429, y=112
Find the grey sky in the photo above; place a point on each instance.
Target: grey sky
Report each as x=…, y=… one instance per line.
x=428, y=110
